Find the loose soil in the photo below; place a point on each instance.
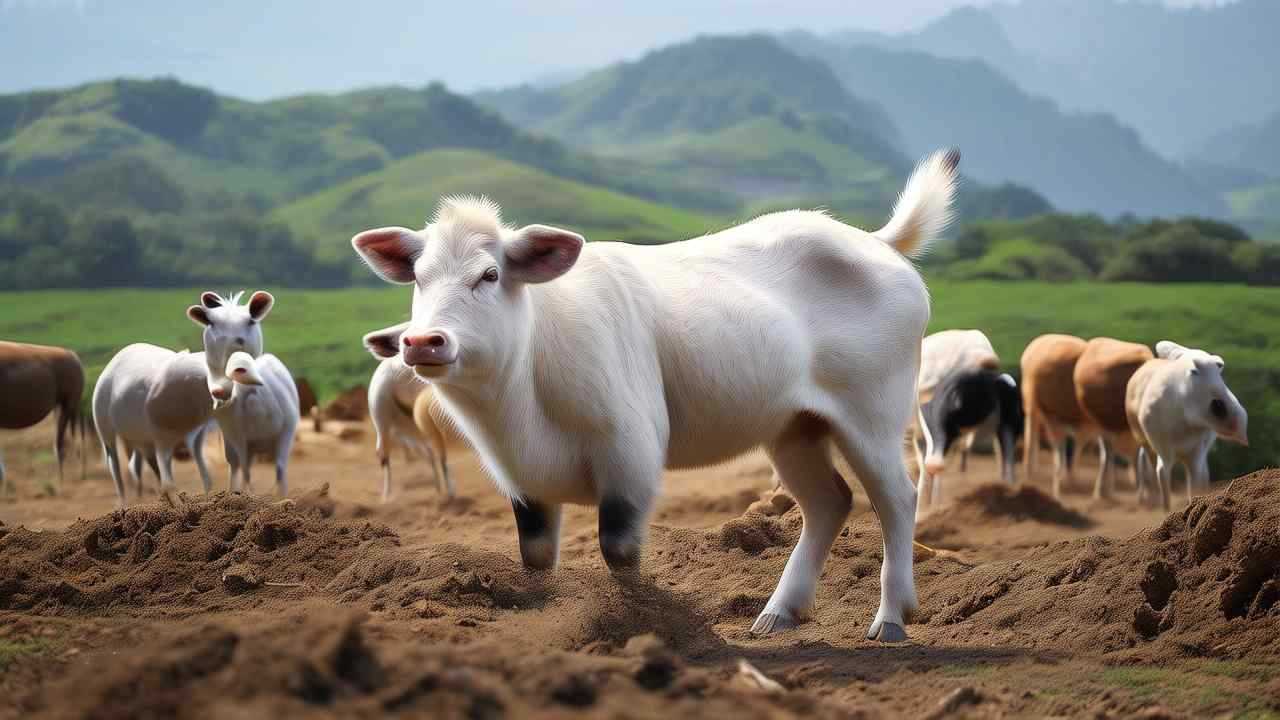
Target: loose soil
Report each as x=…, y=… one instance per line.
x=332, y=604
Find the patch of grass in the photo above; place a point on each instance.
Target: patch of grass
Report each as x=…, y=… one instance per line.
x=13, y=651
x=317, y=332
x=1141, y=682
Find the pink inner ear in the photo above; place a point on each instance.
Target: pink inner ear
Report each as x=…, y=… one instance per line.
x=260, y=304
x=390, y=251
x=539, y=253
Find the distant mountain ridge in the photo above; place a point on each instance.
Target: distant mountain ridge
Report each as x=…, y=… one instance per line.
x=740, y=112
x=1080, y=162
x=1178, y=75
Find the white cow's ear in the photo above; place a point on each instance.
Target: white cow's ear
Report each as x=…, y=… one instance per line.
x=198, y=314
x=390, y=251
x=539, y=253
x=385, y=343
x=1169, y=350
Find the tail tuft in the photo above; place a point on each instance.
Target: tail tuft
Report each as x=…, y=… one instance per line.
x=924, y=209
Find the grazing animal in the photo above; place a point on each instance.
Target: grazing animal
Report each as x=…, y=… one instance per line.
x=1101, y=376
x=394, y=395
x=943, y=354
x=1177, y=405
x=151, y=399
x=262, y=418
x=1049, y=401
x=577, y=373
x=36, y=380
x=964, y=403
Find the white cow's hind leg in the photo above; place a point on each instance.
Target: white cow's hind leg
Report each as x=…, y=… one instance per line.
x=879, y=466
x=164, y=456
x=801, y=456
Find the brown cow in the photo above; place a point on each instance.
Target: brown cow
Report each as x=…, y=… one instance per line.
x=1101, y=376
x=1049, y=400
x=35, y=380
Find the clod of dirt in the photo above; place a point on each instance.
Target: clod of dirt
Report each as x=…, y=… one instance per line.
x=752, y=533
x=240, y=579
x=659, y=666
x=1213, y=530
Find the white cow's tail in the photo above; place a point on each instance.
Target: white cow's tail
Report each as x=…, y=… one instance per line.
x=923, y=209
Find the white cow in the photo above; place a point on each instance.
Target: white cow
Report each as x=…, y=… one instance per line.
x=393, y=390
x=262, y=417
x=578, y=372
x=152, y=399
x=1177, y=405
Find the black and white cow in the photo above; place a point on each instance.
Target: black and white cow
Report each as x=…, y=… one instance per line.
x=965, y=403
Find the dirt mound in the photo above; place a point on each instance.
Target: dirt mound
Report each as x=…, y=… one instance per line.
x=203, y=554
x=306, y=397
x=351, y=404
x=1205, y=583
x=311, y=664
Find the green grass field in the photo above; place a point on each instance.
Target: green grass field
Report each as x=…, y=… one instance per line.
x=317, y=333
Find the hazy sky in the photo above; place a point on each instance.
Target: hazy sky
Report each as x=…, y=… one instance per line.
x=261, y=48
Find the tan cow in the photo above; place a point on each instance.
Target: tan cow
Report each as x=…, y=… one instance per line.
x=35, y=380
x=1101, y=376
x=1049, y=400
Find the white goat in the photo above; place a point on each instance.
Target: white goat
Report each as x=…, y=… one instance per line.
x=1178, y=405
x=393, y=391
x=577, y=373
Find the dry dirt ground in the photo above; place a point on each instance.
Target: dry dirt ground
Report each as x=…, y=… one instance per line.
x=334, y=604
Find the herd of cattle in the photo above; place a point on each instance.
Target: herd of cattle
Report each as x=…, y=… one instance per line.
x=1170, y=406
x=792, y=332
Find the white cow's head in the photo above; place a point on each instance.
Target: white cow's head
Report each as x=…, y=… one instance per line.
x=229, y=327
x=1208, y=399
x=469, y=272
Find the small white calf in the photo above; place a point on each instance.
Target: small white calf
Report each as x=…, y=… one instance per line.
x=393, y=391
x=261, y=419
x=152, y=399
x=1177, y=405
x=577, y=373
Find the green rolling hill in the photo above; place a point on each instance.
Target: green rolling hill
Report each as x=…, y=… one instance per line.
x=405, y=194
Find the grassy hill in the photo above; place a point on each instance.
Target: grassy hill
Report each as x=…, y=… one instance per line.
x=1079, y=162
x=317, y=332
x=405, y=193
x=739, y=113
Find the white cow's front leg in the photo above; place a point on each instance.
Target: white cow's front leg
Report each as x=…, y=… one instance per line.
x=802, y=458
